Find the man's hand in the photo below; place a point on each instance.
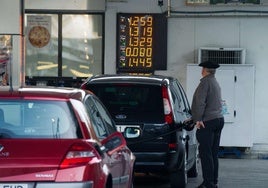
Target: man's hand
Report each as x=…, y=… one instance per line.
x=199, y=124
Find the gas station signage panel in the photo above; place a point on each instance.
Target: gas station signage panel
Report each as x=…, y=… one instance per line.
x=141, y=42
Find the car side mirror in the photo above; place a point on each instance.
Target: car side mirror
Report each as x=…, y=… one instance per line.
x=132, y=132
x=114, y=142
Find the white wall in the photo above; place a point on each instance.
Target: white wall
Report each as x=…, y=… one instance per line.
x=10, y=17
x=92, y=5
x=10, y=20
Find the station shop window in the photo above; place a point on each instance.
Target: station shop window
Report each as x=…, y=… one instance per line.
x=62, y=49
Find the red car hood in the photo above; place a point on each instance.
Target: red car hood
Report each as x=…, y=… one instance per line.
x=32, y=159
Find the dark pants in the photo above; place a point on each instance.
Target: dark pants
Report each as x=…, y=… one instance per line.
x=209, y=141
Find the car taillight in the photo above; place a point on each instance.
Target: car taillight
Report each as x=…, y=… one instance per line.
x=172, y=146
x=78, y=155
x=167, y=106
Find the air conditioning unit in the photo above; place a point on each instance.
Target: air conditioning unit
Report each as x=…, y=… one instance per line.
x=222, y=55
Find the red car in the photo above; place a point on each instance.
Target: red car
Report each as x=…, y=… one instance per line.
x=60, y=138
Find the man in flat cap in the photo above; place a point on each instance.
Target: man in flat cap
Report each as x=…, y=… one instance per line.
x=206, y=113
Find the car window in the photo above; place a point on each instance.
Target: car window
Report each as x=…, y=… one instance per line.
x=184, y=97
x=179, y=105
x=130, y=102
x=177, y=98
x=37, y=119
x=109, y=124
x=96, y=118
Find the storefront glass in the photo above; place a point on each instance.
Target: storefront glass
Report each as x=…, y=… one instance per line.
x=82, y=45
x=5, y=58
x=62, y=47
x=41, y=45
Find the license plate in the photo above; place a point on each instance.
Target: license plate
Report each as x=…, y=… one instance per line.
x=13, y=185
x=121, y=128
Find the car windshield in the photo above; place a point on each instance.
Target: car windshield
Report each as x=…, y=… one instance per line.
x=131, y=102
x=36, y=119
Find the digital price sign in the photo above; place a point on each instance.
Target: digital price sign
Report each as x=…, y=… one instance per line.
x=141, y=42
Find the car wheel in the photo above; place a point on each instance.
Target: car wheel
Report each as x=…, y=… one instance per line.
x=178, y=178
x=132, y=180
x=193, y=171
x=109, y=183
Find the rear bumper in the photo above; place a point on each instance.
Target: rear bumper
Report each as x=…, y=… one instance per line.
x=155, y=162
x=87, y=184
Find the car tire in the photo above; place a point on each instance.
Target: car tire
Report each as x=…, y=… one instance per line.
x=178, y=178
x=132, y=180
x=109, y=183
x=193, y=171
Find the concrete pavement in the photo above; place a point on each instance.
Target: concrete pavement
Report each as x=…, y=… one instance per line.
x=238, y=173
x=244, y=172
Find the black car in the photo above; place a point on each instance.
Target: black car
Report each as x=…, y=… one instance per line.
x=158, y=107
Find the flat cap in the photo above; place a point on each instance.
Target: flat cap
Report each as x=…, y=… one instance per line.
x=209, y=65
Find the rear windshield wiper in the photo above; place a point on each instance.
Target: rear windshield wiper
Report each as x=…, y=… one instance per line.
x=4, y=135
x=57, y=121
